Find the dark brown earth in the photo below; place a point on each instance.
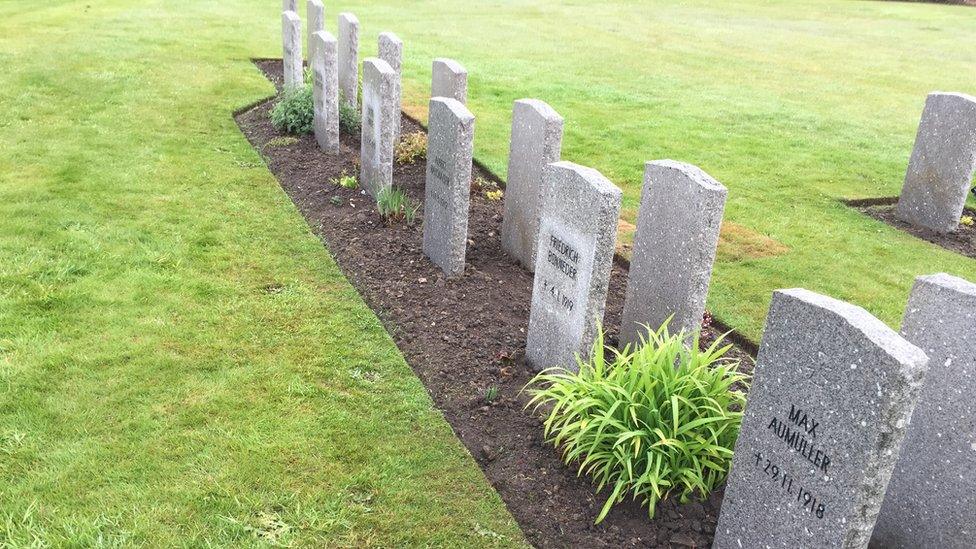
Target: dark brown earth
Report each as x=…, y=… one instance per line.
x=465, y=336
x=963, y=241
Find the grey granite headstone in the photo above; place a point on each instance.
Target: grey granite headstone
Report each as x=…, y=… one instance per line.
x=940, y=171
x=391, y=51
x=289, y=5
x=577, y=233
x=291, y=54
x=348, y=59
x=831, y=398
x=450, y=138
x=325, y=91
x=931, y=499
x=316, y=22
x=449, y=79
x=378, y=118
x=537, y=137
x=674, y=248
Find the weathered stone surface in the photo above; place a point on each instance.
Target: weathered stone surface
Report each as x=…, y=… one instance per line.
x=391, y=51
x=291, y=53
x=316, y=22
x=940, y=171
x=449, y=79
x=450, y=140
x=577, y=233
x=537, y=137
x=831, y=397
x=931, y=499
x=674, y=248
x=378, y=117
x=289, y=5
x=348, y=59
x=325, y=91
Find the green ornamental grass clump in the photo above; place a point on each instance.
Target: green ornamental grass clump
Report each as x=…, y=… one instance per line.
x=394, y=205
x=294, y=112
x=658, y=419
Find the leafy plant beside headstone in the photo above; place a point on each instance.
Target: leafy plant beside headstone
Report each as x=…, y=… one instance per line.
x=647, y=421
x=348, y=118
x=411, y=148
x=293, y=113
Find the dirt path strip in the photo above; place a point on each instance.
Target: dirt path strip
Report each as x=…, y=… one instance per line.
x=464, y=337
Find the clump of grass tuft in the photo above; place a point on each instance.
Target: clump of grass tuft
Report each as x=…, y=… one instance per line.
x=293, y=113
x=394, y=205
x=656, y=419
x=411, y=148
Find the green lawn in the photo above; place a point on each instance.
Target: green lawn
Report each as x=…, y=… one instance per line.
x=793, y=105
x=181, y=361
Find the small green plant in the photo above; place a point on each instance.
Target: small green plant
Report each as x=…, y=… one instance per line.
x=411, y=148
x=345, y=180
x=967, y=220
x=348, y=118
x=656, y=419
x=336, y=200
x=294, y=111
x=491, y=394
x=394, y=205
x=489, y=188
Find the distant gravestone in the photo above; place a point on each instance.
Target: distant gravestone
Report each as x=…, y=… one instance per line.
x=832, y=394
x=577, y=233
x=391, y=51
x=450, y=138
x=325, y=91
x=931, y=499
x=378, y=117
x=940, y=171
x=449, y=79
x=537, y=136
x=316, y=23
x=289, y=5
x=291, y=55
x=348, y=59
x=674, y=249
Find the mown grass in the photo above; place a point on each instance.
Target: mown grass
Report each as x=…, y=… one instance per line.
x=793, y=105
x=181, y=361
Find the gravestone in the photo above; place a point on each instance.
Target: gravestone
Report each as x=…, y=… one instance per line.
x=674, y=248
x=450, y=138
x=378, y=118
x=348, y=59
x=316, y=23
x=449, y=79
x=941, y=168
x=537, y=136
x=931, y=499
x=391, y=51
x=289, y=5
x=832, y=394
x=291, y=54
x=325, y=91
x=577, y=233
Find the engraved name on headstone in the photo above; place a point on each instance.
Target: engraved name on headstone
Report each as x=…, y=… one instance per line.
x=577, y=233
x=833, y=390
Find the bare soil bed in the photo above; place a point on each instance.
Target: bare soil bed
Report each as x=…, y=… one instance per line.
x=962, y=241
x=466, y=335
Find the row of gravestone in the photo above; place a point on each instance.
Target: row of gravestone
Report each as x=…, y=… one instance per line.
x=827, y=424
